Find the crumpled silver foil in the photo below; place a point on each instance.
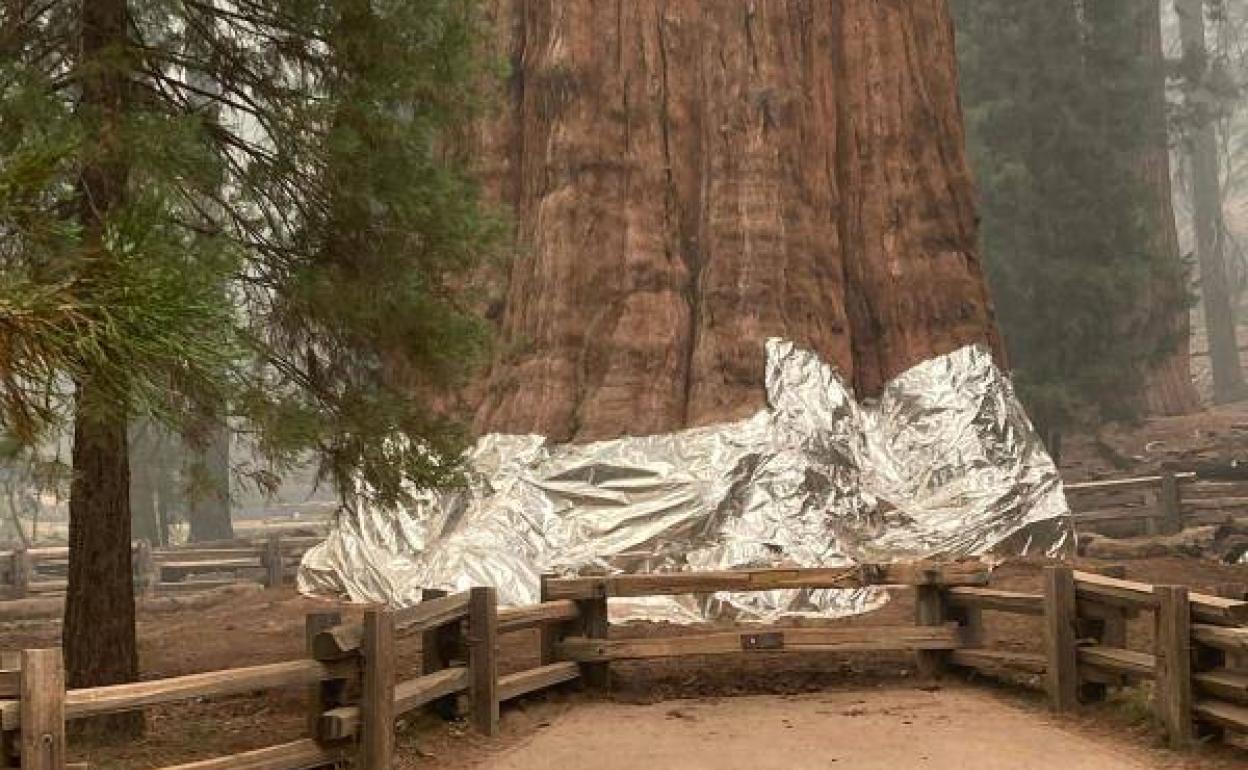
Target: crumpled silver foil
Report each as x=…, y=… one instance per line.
x=945, y=463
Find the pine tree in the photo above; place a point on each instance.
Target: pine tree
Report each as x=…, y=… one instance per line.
x=218, y=205
x=1060, y=107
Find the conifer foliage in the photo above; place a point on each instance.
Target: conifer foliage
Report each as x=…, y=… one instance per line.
x=1065, y=112
x=232, y=208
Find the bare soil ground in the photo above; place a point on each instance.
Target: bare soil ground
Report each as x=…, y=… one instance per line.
x=262, y=627
x=877, y=729
x=1217, y=435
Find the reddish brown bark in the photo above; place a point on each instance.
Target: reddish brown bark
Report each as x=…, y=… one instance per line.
x=690, y=178
x=1170, y=389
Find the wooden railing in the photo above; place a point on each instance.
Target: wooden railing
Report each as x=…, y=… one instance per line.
x=268, y=561
x=1194, y=663
x=1197, y=666
x=1160, y=504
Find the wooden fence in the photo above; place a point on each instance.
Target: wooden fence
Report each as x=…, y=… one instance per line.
x=200, y=567
x=355, y=693
x=1157, y=505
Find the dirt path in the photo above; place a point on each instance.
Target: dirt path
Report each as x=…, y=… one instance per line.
x=882, y=729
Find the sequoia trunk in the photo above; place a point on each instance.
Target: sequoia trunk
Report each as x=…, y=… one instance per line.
x=691, y=178
x=1170, y=389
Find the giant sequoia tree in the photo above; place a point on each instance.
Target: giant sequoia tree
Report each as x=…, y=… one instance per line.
x=1066, y=124
x=211, y=206
x=692, y=177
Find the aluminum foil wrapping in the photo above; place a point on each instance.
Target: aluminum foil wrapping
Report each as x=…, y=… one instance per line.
x=945, y=463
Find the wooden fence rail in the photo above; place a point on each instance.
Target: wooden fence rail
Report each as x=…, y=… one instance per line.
x=1155, y=505
x=1196, y=665
x=270, y=561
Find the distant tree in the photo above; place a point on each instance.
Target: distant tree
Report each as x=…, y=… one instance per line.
x=1067, y=139
x=1202, y=106
x=289, y=245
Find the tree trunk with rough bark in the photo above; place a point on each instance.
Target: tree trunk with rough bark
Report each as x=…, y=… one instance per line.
x=209, y=493
x=691, y=178
x=99, y=632
x=1170, y=389
x=1201, y=144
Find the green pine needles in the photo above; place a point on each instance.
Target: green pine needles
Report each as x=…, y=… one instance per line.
x=288, y=238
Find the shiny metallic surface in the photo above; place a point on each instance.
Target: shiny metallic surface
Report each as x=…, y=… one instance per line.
x=944, y=463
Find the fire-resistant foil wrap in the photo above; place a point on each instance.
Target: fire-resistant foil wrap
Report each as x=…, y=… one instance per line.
x=945, y=463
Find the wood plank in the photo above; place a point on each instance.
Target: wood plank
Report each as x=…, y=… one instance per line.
x=432, y=613
x=1222, y=684
x=93, y=701
x=1114, y=515
x=1217, y=503
x=929, y=610
x=1172, y=696
x=549, y=633
x=514, y=685
x=1170, y=504
x=376, y=749
x=1131, y=483
x=1061, y=657
x=274, y=566
x=1132, y=594
x=197, y=586
x=10, y=683
x=855, y=576
x=344, y=721
x=215, y=565
x=1224, y=715
x=594, y=622
x=341, y=641
x=1234, y=640
x=483, y=658
x=43, y=706
x=1119, y=661
x=304, y=754
x=997, y=661
x=438, y=646
x=521, y=618
x=972, y=597
x=788, y=640
x=323, y=695
x=196, y=555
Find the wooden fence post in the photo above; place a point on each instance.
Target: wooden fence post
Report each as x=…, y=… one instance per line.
x=1172, y=697
x=548, y=632
x=437, y=648
x=329, y=694
x=483, y=658
x=274, y=565
x=929, y=610
x=22, y=567
x=144, y=568
x=1061, y=654
x=43, y=710
x=594, y=623
x=377, y=695
x=1171, y=504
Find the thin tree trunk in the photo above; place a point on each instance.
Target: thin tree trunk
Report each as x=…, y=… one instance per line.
x=1201, y=145
x=99, y=633
x=210, y=485
x=1170, y=389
